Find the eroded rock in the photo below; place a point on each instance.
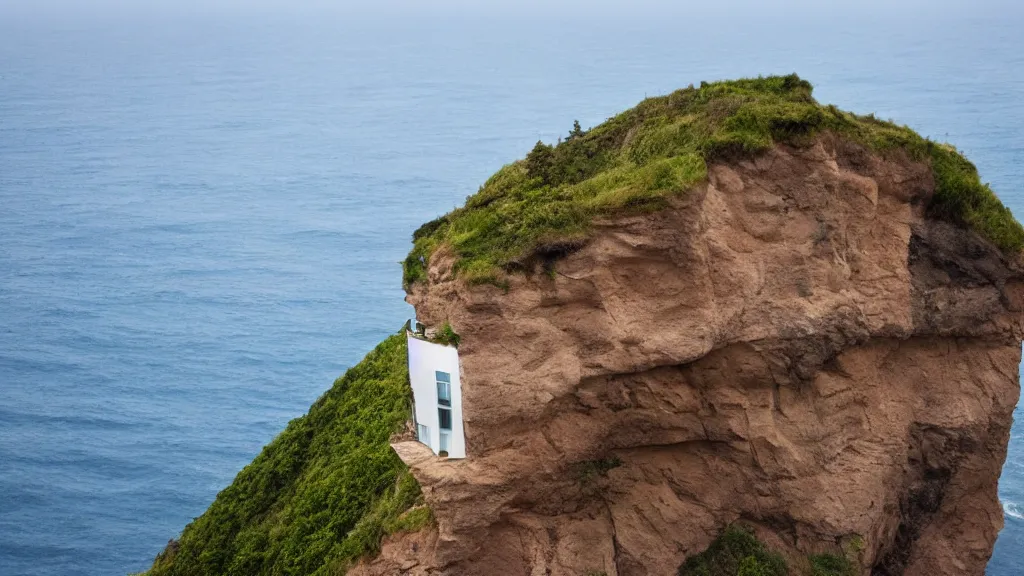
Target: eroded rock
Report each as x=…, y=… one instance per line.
x=793, y=344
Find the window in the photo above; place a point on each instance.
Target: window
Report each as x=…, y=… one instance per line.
x=444, y=442
x=444, y=393
x=423, y=434
x=444, y=402
x=444, y=388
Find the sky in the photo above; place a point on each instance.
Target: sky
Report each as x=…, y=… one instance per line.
x=533, y=8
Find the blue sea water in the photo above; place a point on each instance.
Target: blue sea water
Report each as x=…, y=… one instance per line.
x=201, y=213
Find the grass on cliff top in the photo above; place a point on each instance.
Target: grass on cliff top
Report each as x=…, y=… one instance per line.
x=544, y=205
x=736, y=552
x=321, y=494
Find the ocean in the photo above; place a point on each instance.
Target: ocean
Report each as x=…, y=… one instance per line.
x=202, y=212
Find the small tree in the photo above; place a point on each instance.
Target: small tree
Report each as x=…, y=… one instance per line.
x=540, y=161
x=576, y=130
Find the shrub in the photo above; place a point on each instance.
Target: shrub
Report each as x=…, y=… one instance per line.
x=831, y=565
x=751, y=566
x=446, y=335
x=736, y=552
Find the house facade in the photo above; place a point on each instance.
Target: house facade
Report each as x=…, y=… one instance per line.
x=437, y=396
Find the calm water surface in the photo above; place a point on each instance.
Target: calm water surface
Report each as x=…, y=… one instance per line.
x=201, y=216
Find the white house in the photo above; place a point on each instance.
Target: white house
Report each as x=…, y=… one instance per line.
x=437, y=396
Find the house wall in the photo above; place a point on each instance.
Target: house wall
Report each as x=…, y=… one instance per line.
x=424, y=359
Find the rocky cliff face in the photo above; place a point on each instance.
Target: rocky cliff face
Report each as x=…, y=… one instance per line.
x=792, y=344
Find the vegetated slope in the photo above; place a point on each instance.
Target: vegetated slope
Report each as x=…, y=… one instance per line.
x=544, y=205
x=322, y=493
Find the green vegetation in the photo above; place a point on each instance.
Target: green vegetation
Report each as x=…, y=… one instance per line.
x=589, y=470
x=831, y=565
x=321, y=494
x=962, y=197
x=411, y=521
x=447, y=336
x=544, y=205
x=853, y=545
x=736, y=552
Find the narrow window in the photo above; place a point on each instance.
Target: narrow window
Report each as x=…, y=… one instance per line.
x=444, y=388
x=444, y=400
x=423, y=434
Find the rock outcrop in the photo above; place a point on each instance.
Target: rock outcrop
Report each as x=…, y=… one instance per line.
x=793, y=344
x=727, y=305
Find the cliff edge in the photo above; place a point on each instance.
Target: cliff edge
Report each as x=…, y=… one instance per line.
x=728, y=313
x=801, y=343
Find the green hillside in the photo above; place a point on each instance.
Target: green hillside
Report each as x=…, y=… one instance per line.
x=321, y=494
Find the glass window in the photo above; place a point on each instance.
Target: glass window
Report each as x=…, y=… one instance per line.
x=444, y=442
x=444, y=415
x=424, y=434
x=444, y=388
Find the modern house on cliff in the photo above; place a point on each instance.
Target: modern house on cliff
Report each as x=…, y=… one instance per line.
x=437, y=395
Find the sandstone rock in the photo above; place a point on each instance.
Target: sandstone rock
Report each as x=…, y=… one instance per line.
x=793, y=344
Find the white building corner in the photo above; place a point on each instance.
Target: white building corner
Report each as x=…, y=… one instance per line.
x=437, y=396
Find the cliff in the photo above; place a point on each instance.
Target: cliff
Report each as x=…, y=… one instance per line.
x=728, y=307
